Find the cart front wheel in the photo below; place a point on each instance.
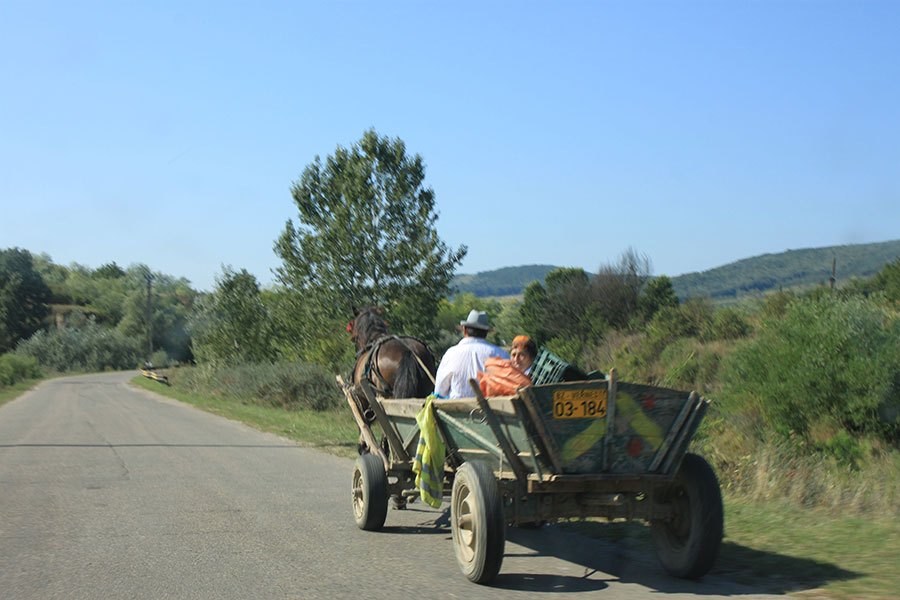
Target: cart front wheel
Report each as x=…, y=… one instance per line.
x=476, y=516
x=370, y=494
x=687, y=543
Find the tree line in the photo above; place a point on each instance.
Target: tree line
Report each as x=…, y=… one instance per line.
x=364, y=234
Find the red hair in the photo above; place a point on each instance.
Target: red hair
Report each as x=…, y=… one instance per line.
x=523, y=342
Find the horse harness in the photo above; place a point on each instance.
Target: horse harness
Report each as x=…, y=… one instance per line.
x=371, y=366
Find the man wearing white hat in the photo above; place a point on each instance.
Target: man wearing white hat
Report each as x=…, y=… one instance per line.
x=463, y=361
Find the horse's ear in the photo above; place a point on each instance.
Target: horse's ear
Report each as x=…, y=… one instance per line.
x=379, y=310
x=356, y=311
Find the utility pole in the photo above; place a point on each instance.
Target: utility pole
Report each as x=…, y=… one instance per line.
x=833, y=265
x=149, y=277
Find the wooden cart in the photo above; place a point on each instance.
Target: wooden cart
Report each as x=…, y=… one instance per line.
x=598, y=448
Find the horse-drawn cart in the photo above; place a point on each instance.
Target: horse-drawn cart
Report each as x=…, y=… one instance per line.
x=597, y=448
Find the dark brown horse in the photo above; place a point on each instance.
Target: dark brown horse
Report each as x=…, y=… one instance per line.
x=394, y=365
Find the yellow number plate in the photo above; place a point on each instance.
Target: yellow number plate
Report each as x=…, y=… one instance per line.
x=579, y=404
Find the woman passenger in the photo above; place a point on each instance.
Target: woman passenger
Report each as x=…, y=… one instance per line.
x=522, y=353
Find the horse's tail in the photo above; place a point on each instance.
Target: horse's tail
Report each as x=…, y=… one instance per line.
x=411, y=380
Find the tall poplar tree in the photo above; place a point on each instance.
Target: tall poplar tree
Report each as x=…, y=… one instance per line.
x=365, y=234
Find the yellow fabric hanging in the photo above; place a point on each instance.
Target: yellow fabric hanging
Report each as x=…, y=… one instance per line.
x=429, y=462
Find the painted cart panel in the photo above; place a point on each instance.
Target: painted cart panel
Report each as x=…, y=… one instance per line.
x=563, y=429
x=651, y=426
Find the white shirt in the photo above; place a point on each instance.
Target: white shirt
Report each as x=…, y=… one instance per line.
x=461, y=363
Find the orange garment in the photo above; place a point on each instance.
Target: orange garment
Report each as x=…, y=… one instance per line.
x=500, y=378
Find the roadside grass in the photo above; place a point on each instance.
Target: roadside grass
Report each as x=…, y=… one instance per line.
x=780, y=548
x=333, y=431
x=771, y=546
x=854, y=556
x=9, y=393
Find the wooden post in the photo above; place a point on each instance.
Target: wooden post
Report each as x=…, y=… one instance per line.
x=364, y=428
x=547, y=439
x=674, y=430
x=610, y=419
x=394, y=441
x=514, y=461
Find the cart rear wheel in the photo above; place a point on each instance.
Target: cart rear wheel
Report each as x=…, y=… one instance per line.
x=476, y=517
x=687, y=544
x=370, y=494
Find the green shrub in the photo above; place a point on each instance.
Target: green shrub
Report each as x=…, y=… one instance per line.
x=160, y=359
x=846, y=449
x=568, y=349
x=287, y=385
x=829, y=364
x=727, y=323
x=691, y=365
x=669, y=324
x=687, y=320
x=775, y=305
x=14, y=369
x=90, y=348
x=680, y=346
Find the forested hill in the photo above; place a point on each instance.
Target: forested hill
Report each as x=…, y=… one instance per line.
x=790, y=269
x=747, y=277
x=507, y=281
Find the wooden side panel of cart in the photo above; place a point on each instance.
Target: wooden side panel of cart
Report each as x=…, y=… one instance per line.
x=651, y=429
x=531, y=432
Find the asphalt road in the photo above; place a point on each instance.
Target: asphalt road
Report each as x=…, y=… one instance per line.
x=108, y=491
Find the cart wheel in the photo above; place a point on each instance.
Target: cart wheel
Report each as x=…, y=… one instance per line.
x=370, y=496
x=688, y=543
x=476, y=517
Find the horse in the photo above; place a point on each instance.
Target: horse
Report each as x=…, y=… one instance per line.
x=396, y=366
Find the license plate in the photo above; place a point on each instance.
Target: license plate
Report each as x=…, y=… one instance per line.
x=579, y=404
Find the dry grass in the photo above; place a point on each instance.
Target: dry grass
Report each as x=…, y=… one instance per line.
x=763, y=473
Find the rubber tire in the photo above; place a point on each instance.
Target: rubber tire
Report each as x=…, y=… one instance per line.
x=369, y=492
x=476, y=519
x=688, y=544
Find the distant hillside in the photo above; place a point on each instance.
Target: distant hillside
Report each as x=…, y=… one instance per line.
x=507, y=281
x=748, y=277
x=790, y=269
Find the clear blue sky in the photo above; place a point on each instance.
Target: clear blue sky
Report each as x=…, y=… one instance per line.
x=699, y=133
